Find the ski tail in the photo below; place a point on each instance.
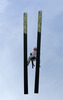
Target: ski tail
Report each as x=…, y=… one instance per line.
x=36, y=88
x=25, y=56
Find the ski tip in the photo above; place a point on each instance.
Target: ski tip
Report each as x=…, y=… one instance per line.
x=25, y=13
x=39, y=21
x=40, y=11
x=25, y=23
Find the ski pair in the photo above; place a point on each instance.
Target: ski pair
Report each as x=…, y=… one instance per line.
x=36, y=88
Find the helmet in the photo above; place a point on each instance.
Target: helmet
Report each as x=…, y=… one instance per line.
x=35, y=49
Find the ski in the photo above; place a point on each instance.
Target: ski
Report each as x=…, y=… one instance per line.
x=25, y=56
x=36, y=88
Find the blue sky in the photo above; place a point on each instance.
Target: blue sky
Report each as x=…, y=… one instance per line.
x=11, y=49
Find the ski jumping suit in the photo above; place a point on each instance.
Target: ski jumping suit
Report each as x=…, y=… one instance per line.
x=32, y=58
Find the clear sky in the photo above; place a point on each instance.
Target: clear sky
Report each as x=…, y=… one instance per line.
x=11, y=49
